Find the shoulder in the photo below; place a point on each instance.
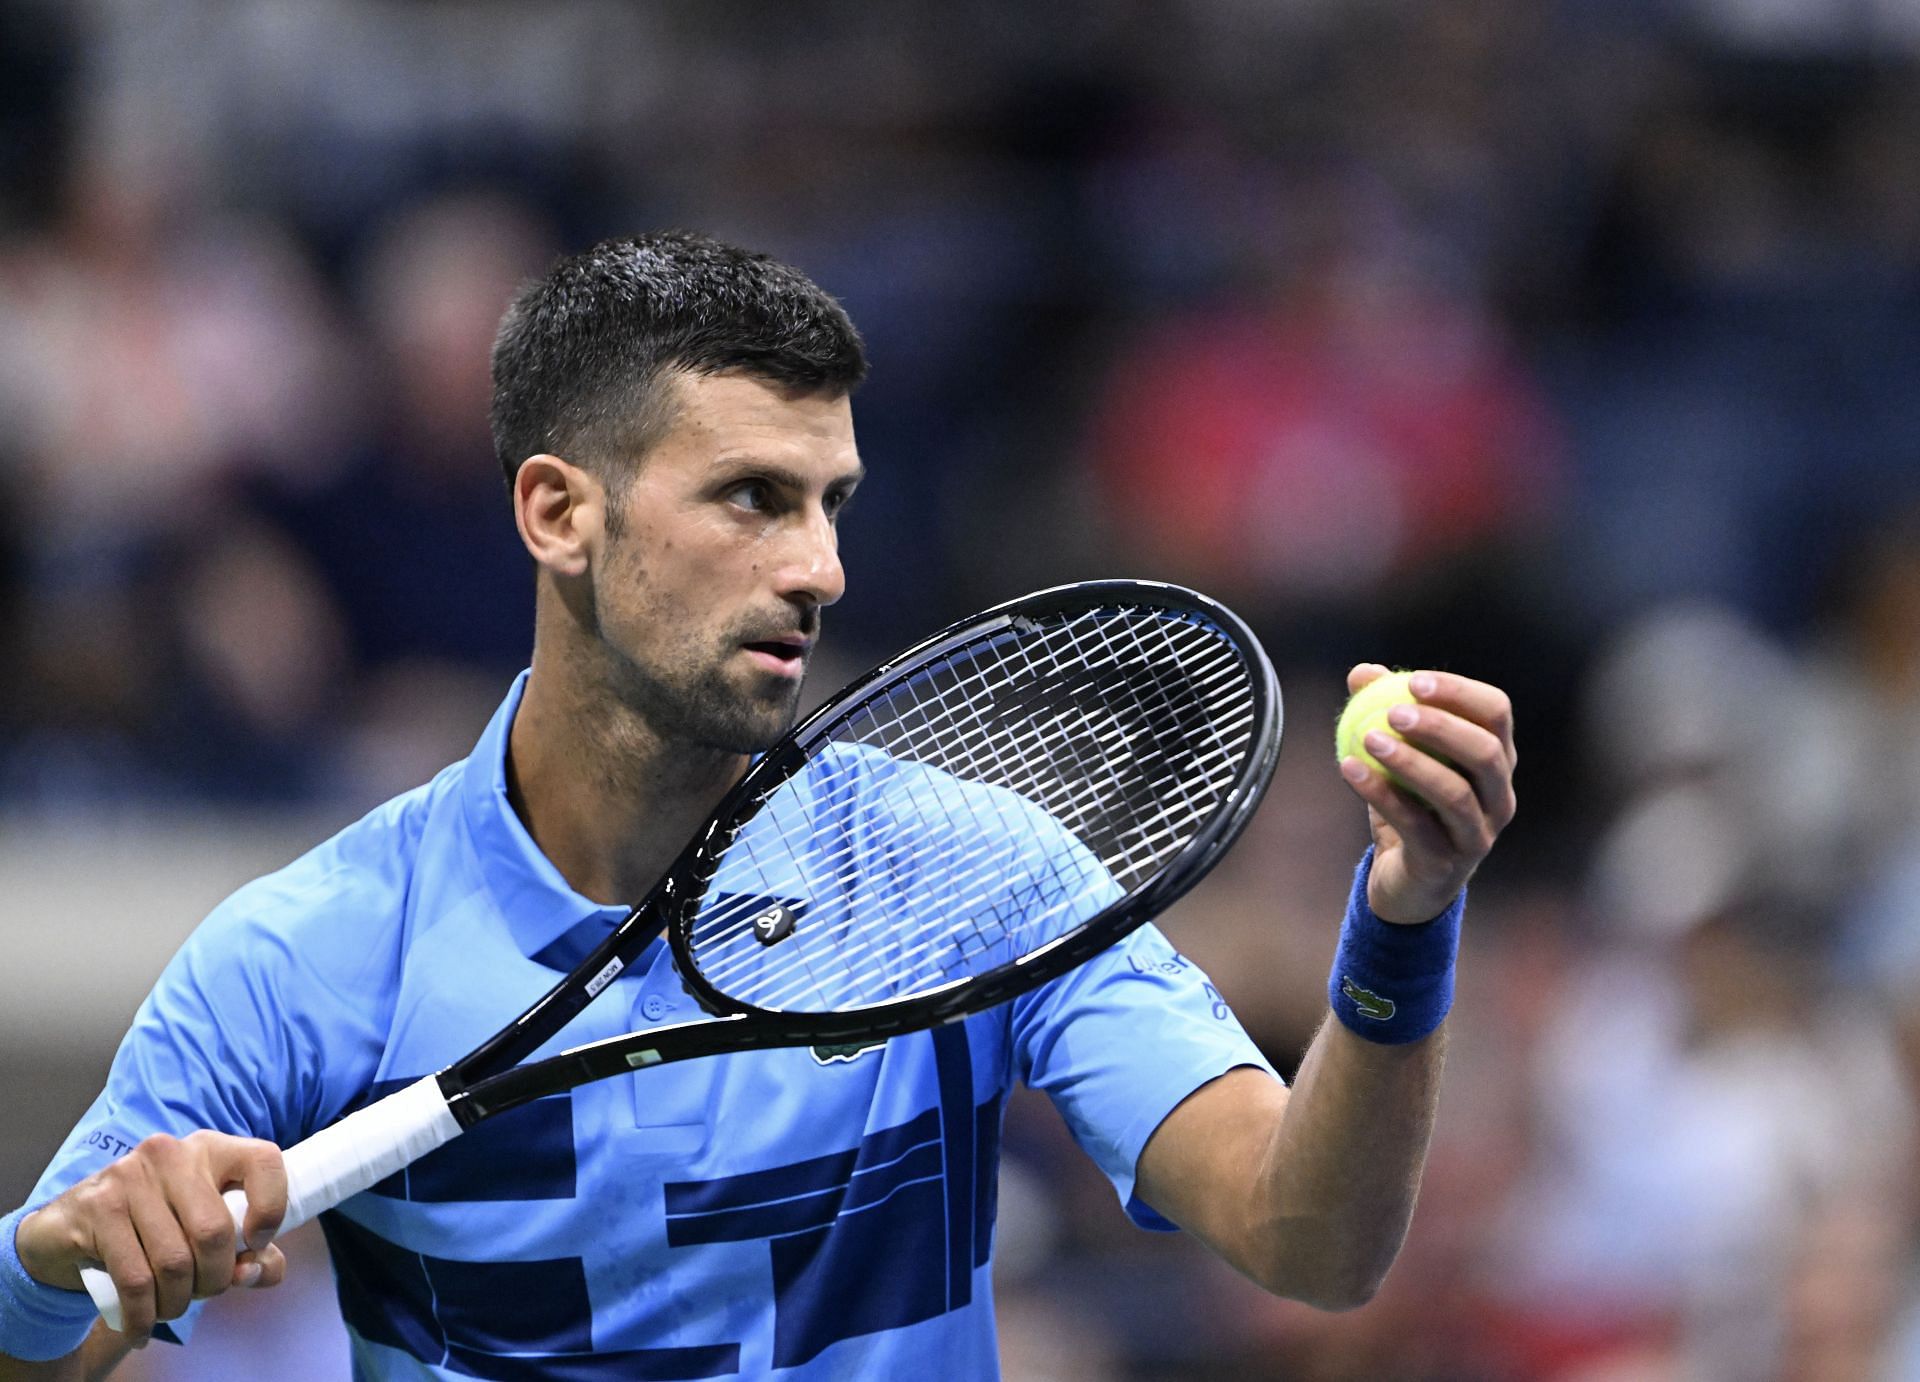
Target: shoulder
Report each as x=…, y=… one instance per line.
x=344, y=894
x=271, y=1019
x=299, y=972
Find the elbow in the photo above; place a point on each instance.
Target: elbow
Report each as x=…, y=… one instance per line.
x=1335, y=1279
x=1340, y=1295
x=1334, y=1292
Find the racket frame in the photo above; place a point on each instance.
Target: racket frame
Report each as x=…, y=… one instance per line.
x=491, y=1080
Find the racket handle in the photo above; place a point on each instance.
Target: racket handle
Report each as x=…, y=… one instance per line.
x=333, y=1165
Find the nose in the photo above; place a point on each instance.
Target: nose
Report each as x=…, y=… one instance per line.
x=813, y=573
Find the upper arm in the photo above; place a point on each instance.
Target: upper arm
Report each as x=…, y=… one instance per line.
x=1122, y=1043
x=1205, y=1167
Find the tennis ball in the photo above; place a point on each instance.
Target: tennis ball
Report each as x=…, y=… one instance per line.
x=1367, y=710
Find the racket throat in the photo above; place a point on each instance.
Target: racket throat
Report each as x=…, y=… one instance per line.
x=600, y=1060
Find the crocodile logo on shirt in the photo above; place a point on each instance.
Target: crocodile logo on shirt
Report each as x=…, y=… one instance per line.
x=1369, y=1003
x=847, y=1051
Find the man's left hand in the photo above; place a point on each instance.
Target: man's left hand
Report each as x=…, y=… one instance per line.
x=1458, y=758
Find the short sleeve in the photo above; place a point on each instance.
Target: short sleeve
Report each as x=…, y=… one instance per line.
x=1119, y=1042
x=213, y=1047
x=172, y=1074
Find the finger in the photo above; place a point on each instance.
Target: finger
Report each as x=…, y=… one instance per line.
x=1484, y=704
x=118, y=1247
x=208, y=1228
x=1445, y=792
x=169, y=1257
x=1361, y=673
x=260, y=1270
x=1418, y=830
x=1467, y=747
x=261, y=1173
x=188, y=1178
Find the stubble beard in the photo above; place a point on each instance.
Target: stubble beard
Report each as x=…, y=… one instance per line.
x=686, y=696
x=690, y=699
x=704, y=709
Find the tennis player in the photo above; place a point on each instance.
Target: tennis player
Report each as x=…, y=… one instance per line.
x=672, y=415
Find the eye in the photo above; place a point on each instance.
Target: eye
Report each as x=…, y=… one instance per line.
x=836, y=502
x=754, y=495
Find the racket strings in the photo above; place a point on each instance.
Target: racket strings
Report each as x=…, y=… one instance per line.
x=1008, y=913
x=1029, y=776
x=1015, y=747
x=893, y=951
x=1031, y=925
x=995, y=866
x=971, y=732
x=1042, y=772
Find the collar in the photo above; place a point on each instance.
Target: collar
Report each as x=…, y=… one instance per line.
x=539, y=905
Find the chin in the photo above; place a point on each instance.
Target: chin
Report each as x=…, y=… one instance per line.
x=752, y=727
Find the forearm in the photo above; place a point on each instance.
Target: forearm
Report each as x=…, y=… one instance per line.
x=1342, y=1168
x=1343, y=1164
x=1309, y=1191
x=96, y=1358
x=68, y=1369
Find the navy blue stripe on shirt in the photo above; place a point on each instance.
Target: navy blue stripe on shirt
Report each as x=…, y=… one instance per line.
x=514, y=1307
x=861, y=1274
x=384, y=1294
x=524, y=1154
x=884, y=1235
x=424, y=1304
x=506, y=1321
x=954, y=1060
x=633, y=1365
x=865, y=1188
x=986, y=1177
x=830, y=1172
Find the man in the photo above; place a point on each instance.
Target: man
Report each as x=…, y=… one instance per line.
x=673, y=418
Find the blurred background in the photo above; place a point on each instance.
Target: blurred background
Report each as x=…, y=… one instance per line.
x=1570, y=344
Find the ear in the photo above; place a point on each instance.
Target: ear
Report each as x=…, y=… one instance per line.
x=560, y=510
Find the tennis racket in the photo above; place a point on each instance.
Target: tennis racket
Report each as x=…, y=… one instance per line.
x=964, y=823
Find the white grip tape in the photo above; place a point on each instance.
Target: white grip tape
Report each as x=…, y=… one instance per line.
x=334, y=1164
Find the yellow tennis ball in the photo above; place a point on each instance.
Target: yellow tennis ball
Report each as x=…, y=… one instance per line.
x=1367, y=710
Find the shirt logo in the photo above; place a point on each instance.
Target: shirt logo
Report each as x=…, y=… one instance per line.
x=1369, y=1003
x=846, y=1052
x=775, y=924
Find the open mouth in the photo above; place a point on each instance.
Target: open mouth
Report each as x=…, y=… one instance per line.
x=787, y=658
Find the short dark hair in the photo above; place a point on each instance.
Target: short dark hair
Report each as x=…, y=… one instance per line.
x=579, y=361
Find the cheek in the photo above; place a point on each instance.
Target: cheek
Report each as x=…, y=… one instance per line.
x=666, y=605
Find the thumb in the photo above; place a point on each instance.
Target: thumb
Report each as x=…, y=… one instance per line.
x=262, y=1174
x=1364, y=673
x=259, y=1270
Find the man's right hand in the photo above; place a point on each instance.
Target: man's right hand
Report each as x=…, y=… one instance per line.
x=155, y=1221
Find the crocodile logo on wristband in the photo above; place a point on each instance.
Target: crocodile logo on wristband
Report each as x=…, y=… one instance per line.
x=1370, y=1004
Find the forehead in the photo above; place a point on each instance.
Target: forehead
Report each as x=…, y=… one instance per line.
x=714, y=416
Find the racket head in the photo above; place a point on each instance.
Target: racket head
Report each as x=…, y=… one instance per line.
x=1097, y=746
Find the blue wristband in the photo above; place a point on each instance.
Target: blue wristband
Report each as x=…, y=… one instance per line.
x=1393, y=984
x=37, y=1322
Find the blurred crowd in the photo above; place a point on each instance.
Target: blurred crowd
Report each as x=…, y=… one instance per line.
x=1569, y=345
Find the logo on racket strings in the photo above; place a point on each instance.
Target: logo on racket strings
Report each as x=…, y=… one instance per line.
x=775, y=924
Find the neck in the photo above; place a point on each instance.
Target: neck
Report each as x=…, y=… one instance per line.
x=606, y=798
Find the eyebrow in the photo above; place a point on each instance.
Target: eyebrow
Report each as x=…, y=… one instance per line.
x=787, y=476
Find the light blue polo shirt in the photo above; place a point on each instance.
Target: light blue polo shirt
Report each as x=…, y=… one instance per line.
x=794, y=1213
